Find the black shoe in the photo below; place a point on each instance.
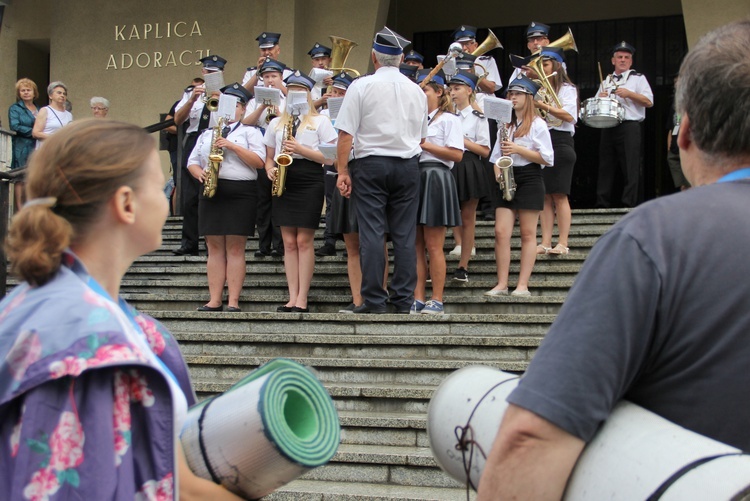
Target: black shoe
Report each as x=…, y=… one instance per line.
x=489, y=217
x=369, y=309
x=277, y=253
x=297, y=309
x=233, y=309
x=206, y=307
x=262, y=253
x=326, y=250
x=284, y=309
x=461, y=275
x=183, y=251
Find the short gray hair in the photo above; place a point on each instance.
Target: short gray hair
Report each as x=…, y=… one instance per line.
x=714, y=91
x=387, y=59
x=55, y=85
x=99, y=100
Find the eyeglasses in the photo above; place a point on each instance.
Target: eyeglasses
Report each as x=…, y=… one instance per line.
x=97, y=108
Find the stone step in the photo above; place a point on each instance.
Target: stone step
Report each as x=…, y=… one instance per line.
x=312, y=490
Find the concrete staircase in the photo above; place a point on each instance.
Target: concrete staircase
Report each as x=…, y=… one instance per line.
x=381, y=370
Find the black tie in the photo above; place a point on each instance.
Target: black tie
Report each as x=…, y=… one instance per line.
x=295, y=126
x=225, y=131
x=618, y=77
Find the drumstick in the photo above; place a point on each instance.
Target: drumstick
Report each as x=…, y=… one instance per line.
x=601, y=79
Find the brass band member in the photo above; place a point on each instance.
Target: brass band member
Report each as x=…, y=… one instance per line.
x=268, y=47
x=557, y=180
x=530, y=147
x=228, y=218
x=537, y=37
x=298, y=210
x=439, y=207
x=414, y=58
x=470, y=173
x=467, y=37
x=320, y=58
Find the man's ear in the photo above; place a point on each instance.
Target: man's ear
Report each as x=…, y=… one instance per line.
x=122, y=204
x=685, y=134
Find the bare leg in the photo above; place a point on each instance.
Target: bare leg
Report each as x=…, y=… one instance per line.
x=351, y=240
x=505, y=219
x=527, y=220
x=434, y=239
x=458, y=232
x=291, y=262
x=306, y=255
x=468, y=230
x=216, y=268
x=18, y=195
x=419, y=291
x=236, y=268
x=564, y=217
x=548, y=221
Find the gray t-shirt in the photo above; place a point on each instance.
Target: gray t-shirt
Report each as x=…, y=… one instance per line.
x=659, y=316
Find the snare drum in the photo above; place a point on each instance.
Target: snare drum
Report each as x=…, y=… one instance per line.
x=602, y=112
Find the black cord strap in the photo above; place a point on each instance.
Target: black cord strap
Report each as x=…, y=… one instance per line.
x=202, y=444
x=669, y=482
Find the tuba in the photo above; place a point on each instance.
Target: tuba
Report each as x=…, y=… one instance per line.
x=489, y=43
x=339, y=54
x=215, y=157
x=504, y=171
x=283, y=160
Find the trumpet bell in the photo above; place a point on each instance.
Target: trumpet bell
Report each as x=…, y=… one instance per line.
x=489, y=43
x=212, y=104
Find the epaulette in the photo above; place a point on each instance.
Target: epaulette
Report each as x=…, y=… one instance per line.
x=252, y=68
x=189, y=88
x=486, y=56
x=477, y=113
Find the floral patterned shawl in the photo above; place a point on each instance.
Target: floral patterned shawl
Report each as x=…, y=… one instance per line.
x=84, y=412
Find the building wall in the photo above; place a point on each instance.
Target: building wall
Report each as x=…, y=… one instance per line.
x=701, y=16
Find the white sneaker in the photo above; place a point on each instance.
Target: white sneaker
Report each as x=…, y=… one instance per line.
x=473, y=251
x=456, y=251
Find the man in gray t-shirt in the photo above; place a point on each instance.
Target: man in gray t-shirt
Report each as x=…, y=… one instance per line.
x=660, y=314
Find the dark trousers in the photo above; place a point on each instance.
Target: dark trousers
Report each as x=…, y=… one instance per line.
x=269, y=236
x=620, y=151
x=189, y=191
x=386, y=194
x=329, y=238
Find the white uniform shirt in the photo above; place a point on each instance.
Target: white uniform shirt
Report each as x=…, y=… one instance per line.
x=232, y=168
x=537, y=139
x=194, y=116
x=253, y=105
x=631, y=81
x=568, y=96
x=444, y=129
x=386, y=113
x=475, y=128
x=318, y=131
x=493, y=74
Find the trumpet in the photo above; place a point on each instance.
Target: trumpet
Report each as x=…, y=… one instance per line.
x=504, y=171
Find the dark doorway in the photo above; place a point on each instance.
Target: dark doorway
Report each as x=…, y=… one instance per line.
x=33, y=63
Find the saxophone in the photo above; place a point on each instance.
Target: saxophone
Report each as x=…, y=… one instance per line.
x=215, y=157
x=283, y=160
x=504, y=171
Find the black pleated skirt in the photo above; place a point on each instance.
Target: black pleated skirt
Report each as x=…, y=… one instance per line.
x=557, y=179
x=302, y=202
x=231, y=211
x=529, y=189
x=438, y=197
x=471, y=177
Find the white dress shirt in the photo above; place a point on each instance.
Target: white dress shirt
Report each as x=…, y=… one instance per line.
x=537, y=139
x=475, y=128
x=232, y=168
x=253, y=105
x=632, y=81
x=317, y=131
x=568, y=96
x=444, y=129
x=194, y=115
x=386, y=113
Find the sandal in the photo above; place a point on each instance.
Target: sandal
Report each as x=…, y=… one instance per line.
x=559, y=249
x=540, y=249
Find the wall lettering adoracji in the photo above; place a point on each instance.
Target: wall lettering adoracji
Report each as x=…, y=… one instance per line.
x=156, y=59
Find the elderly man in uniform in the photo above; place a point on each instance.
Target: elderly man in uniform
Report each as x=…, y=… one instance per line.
x=268, y=46
x=193, y=109
x=414, y=58
x=649, y=318
x=620, y=146
x=385, y=115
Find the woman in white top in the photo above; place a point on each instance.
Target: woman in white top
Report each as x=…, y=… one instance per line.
x=228, y=218
x=470, y=173
x=53, y=117
x=529, y=146
x=557, y=181
x=297, y=210
x=439, y=206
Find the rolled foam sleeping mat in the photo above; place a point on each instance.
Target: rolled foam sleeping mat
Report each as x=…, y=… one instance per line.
x=274, y=425
x=636, y=454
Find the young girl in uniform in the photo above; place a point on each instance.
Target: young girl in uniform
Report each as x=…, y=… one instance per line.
x=528, y=144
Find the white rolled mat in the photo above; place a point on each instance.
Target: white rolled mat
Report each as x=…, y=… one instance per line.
x=268, y=429
x=633, y=454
